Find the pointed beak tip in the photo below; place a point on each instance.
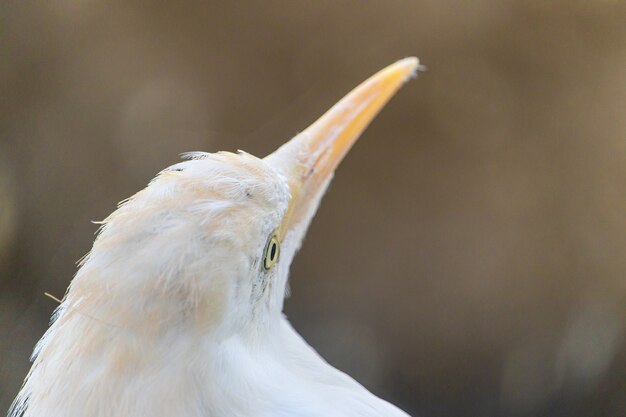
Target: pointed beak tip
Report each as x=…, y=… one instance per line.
x=409, y=66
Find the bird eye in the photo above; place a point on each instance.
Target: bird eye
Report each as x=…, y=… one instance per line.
x=272, y=249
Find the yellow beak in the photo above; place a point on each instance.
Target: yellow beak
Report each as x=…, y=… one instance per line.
x=309, y=159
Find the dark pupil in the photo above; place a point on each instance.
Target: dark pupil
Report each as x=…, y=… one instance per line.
x=273, y=252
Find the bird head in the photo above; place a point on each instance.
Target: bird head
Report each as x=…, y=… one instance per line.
x=208, y=244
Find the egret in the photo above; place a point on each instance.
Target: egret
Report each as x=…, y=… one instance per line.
x=177, y=308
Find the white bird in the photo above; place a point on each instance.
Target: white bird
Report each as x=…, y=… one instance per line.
x=177, y=309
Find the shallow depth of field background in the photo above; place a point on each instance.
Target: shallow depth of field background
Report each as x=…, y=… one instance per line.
x=470, y=257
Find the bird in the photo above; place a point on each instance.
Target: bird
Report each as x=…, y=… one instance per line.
x=177, y=310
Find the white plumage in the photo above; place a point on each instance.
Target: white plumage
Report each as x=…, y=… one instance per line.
x=174, y=313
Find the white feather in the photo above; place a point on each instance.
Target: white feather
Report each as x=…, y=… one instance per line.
x=167, y=316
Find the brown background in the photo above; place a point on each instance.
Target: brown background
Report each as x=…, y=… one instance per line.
x=468, y=260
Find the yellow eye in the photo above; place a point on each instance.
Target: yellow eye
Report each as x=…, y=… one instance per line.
x=271, y=252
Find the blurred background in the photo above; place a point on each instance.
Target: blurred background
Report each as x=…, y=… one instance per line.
x=469, y=258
